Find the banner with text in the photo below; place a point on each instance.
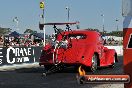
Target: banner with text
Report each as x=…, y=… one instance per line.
x=19, y=55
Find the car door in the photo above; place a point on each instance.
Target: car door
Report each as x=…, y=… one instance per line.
x=71, y=51
x=77, y=45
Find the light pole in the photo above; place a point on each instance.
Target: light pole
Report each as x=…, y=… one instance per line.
x=117, y=24
x=68, y=13
x=42, y=6
x=103, y=22
x=17, y=22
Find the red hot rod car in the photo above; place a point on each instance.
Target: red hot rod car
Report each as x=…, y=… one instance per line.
x=77, y=47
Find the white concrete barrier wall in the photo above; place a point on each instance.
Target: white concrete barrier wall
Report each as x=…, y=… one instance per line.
x=119, y=49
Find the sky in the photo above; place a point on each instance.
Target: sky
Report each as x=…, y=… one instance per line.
x=87, y=12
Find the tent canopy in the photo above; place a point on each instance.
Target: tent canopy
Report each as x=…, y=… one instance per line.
x=14, y=34
x=39, y=35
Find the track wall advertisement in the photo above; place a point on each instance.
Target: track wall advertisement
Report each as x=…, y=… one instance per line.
x=19, y=55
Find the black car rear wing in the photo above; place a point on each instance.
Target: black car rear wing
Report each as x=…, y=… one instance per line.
x=54, y=25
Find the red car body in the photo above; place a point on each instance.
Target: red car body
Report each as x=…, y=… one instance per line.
x=81, y=46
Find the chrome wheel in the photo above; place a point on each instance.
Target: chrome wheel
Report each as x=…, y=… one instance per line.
x=94, y=63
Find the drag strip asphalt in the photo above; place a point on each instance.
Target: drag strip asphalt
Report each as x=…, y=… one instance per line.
x=32, y=78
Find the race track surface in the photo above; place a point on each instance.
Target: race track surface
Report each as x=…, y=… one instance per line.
x=32, y=78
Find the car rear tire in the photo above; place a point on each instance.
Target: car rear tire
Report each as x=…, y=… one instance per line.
x=94, y=64
x=113, y=65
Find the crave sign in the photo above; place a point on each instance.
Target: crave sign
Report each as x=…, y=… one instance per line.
x=19, y=55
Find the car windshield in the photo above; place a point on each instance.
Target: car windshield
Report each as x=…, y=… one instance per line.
x=77, y=36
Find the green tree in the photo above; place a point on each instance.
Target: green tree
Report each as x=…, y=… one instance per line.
x=4, y=31
x=29, y=31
